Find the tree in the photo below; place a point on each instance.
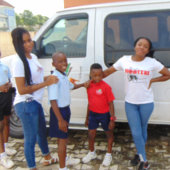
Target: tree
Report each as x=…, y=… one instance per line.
x=40, y=19
x=19, y=20
x=29, y=21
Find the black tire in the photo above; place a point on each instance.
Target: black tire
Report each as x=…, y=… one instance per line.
x=16, y=130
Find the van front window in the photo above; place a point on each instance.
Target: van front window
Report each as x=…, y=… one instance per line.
x=68, y=35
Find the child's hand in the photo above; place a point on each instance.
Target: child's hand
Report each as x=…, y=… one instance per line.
x=4, y=87
x=111, y=125
x=63, y=125
x=87, y=83
x=9, y=85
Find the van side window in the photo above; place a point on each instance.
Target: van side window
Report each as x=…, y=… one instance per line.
x=121, y=30
x=68, y=35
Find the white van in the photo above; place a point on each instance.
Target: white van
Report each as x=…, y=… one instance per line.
x=102, y=34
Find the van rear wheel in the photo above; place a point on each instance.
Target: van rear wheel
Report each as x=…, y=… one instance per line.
x=16, y=130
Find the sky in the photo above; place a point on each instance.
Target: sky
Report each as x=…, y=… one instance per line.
x=37, y=6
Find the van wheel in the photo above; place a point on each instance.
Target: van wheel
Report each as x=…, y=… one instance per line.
x=15, y=126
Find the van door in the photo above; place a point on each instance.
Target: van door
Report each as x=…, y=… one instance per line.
x=121, y=28
x=71, y=32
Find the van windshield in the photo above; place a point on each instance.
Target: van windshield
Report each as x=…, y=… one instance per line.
x=121, y=30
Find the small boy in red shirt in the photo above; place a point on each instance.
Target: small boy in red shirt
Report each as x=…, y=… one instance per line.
x=100, y=110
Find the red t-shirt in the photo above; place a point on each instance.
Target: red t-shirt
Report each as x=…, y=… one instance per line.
x=99, y=96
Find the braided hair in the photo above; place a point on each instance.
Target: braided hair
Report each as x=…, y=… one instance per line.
x=17, y=39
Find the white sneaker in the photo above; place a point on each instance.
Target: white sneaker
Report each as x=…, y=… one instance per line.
x=6, y=162
x=90, y=156
x=107, y=160
x=9, y=151
x=72, y=161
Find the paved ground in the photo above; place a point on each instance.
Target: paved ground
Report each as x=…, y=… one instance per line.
x=158, y=150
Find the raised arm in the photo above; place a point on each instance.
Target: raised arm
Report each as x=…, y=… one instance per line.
x=76, y=86
x=108, y=71
x=23, y=89
x=165, y=76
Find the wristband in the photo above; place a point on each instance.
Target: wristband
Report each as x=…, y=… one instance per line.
x=113, y=118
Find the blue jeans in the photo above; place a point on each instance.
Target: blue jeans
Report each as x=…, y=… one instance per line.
x=33, y=122
x=138, y=116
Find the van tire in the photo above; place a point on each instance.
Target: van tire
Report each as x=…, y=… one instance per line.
x=16, y=130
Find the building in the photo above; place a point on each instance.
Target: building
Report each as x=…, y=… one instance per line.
x=73, y=3
x=7, y=16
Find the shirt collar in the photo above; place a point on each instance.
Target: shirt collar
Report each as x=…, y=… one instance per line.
x=96, y=84
x=59, y=74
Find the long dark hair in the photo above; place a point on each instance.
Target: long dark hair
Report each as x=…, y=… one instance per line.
x=151, y=51
x=17, y=39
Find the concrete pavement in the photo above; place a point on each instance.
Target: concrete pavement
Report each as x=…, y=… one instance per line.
x=158, y=150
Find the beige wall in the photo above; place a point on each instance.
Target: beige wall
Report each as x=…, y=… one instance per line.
x=6, y=46
x=72, y=3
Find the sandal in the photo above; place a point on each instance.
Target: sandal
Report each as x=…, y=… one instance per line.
x=51, y=161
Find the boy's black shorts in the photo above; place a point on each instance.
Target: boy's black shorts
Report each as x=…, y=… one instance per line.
x=6, y=103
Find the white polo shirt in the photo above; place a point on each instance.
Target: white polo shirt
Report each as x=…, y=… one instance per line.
x=61, y=90
x=137, y=78
x=37, y=74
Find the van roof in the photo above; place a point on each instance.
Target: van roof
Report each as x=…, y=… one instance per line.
x=104, y=5
x=117, y=3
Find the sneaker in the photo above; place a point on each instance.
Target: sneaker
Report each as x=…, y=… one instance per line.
x=107, y=160
x=9, y=151
x=6, y=162
x=135, y=160
x=72, y=161
x=144, y=166
x=90, y=156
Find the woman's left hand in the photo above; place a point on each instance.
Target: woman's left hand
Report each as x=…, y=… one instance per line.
x=51, y=80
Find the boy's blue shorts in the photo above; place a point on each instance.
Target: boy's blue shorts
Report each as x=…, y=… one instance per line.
x=54, y=129
x=99, y=118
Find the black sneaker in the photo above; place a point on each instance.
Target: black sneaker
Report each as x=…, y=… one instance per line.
x=135, y=160
x=144, y=166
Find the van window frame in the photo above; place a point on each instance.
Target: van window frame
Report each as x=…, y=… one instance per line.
x=129, y=24
x=65, y=16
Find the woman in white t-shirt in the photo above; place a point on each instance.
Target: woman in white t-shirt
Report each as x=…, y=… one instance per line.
x=30, y=83
x=138, y=70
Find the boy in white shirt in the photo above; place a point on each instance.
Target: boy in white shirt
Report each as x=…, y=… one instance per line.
x=59, y=96
x=6, y=91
